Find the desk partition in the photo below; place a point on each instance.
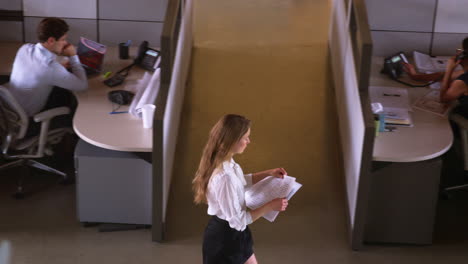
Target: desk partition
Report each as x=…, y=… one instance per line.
x=350, y=47
x=176, y=48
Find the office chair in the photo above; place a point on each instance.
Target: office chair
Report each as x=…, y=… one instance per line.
x=462, y=124
x=19, y=150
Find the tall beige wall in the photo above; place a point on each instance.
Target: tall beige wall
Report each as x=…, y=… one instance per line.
x=266, y=60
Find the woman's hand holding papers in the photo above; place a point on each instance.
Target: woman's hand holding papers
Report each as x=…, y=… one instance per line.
x=279, y=204
x=277, y=173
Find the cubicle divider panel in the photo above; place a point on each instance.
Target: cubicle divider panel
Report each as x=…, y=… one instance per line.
x=350, y=54
x=175, y=97
x=361, y=42
x=176, y=48
x=169, y=38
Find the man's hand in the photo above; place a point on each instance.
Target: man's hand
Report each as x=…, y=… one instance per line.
x=66, y=64
x=69, y=50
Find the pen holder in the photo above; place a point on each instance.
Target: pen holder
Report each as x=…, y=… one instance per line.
x=123, y=51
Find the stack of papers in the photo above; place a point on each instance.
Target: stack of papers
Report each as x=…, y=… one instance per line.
x=268, y=189
x=427, y=64
x=395, y=102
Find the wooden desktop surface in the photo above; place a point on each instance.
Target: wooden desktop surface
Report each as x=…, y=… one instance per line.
x=430, y=137
x=92, y=121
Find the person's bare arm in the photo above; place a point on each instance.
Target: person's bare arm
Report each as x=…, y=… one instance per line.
x=451, y=90
x=428, y=77
x=456, y=89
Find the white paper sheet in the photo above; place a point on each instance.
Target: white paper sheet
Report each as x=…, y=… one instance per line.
x=395, y=103
x=146, y=95
x=427, y=64
x=431, y=103
x=268, y=189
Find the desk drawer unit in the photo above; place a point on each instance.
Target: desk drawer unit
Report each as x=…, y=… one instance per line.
x=403, y=202
x=112, y=186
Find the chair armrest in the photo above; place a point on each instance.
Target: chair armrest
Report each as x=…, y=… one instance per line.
x=51, y=113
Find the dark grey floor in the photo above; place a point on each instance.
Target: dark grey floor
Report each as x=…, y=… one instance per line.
x=43, y=228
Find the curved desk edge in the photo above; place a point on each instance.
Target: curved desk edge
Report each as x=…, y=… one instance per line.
x=414, y=159
x=430, y=137
x=111, y=147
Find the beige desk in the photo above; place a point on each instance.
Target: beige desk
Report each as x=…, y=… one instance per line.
x=406, y=172
x=92, y=121
x=125, y=175
x=430, y=136
x=112, y=163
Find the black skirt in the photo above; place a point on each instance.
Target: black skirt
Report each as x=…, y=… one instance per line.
x=225, y=245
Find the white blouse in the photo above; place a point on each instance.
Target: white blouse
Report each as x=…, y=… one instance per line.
x=226, y=195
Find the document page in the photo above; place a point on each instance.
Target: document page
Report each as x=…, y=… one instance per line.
x=271, y=216
x=268, y=189
x=431, y=103
x=395, y=103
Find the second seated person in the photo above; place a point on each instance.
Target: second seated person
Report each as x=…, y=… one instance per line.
x=36, y=70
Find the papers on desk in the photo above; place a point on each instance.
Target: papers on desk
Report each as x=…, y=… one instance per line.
x=268, y=189
x=395, y=102
x=431, y=103
x=146, y=91
x=427, y=64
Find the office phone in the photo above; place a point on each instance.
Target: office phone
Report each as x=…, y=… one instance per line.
x=146, y=59
x=393, y=65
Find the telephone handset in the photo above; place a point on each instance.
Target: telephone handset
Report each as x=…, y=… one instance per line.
x=146, y=57
x=460, y=56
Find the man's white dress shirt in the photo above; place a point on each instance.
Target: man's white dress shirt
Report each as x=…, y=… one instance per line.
x=226, y=195
x=36, y=71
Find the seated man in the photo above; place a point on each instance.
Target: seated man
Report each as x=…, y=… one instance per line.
x=36, y=69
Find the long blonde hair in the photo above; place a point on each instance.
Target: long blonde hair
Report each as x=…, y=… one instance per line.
x=224, y=134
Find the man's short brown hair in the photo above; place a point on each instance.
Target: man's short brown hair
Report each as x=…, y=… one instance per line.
x=51, y=27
